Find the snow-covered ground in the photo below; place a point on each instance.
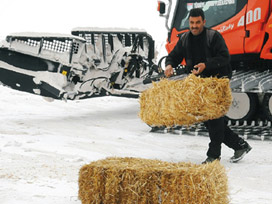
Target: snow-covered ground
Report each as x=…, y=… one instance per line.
x=44, y=144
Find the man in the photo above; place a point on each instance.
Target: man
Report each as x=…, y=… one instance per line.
x=206, y=55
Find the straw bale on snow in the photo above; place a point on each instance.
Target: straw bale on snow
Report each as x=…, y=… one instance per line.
x=185, y=102
x=141, y=181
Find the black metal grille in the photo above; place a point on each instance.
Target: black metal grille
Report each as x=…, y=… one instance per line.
x=126, y=38
x=51, y=44
x=29, y=42
x=57, y=45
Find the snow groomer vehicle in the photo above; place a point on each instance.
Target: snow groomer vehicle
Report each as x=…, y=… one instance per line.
x=94, y=62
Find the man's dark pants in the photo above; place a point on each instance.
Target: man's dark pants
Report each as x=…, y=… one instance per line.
x=220, y=133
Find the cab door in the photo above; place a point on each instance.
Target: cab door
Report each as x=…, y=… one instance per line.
x=256, y=17
x=231, y=28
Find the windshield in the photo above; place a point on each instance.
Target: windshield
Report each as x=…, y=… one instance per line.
x=216, y=11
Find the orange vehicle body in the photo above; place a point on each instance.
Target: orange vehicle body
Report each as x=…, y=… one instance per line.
x=247, y=32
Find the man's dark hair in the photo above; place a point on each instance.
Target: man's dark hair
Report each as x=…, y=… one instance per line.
x=195, y=12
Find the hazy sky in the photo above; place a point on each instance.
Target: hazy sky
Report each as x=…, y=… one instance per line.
x=61, y=16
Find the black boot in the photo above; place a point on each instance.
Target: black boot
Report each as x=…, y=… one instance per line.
x=240, y=153
x=210, y=160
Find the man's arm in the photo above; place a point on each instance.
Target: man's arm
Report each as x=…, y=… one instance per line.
x=174, y=58
x=221, y=53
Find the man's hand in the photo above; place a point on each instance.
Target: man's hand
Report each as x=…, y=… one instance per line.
x=168, y=71
x=198, y=68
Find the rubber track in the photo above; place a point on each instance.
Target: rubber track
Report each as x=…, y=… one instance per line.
x=255, y=130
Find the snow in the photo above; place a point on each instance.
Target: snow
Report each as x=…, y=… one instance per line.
x=45, y=35
x=44, y=145
x=109, y=30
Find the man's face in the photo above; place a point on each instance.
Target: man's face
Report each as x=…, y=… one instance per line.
x=196, y=24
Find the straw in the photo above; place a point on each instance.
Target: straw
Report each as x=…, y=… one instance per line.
x=185, y=102
x=140, y=181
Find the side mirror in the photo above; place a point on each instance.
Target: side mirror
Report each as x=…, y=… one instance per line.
x=161, y=7
x=162, y=10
